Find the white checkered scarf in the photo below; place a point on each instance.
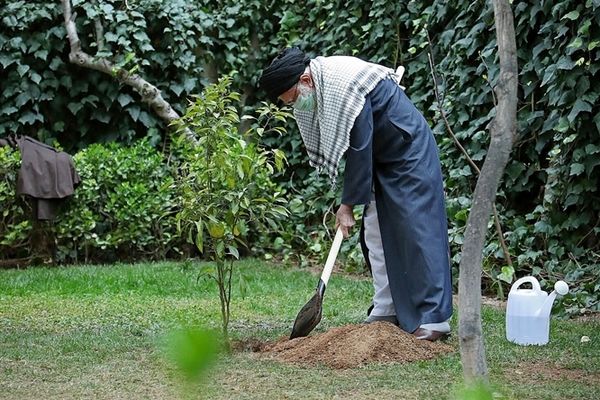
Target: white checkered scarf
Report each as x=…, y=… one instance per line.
x=341, y=85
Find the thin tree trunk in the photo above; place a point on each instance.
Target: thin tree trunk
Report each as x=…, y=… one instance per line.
x=502, y=130
x=210, y=71
x=249, y=90
x=150, y=93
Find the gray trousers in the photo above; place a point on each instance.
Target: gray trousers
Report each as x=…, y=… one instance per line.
x=383, y=304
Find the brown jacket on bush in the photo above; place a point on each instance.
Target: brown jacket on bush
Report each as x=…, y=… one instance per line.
x=47, y=176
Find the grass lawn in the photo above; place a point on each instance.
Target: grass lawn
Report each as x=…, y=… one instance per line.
x=98, y=332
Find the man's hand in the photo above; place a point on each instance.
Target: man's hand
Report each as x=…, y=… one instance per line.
x=344, y=218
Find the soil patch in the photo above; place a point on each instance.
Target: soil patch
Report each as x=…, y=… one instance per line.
x=350, y=346
x=592, y=316
x=485, y=300
x=549, y=371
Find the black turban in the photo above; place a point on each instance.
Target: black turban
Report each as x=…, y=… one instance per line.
x=284, y=72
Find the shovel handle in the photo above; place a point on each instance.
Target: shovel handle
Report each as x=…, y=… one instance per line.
x=335, y=248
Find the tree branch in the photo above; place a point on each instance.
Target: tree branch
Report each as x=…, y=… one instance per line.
x=99, y=31
x=487, y=79
x=463, y=150
x=150, y=94
x=249, y=89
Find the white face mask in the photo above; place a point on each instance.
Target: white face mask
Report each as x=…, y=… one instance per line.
x=306, y=100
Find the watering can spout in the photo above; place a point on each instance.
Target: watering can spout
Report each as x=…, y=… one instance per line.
x=546, y=308
x=560, y=287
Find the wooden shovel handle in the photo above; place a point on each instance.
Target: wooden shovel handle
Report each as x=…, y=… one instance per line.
x=335, y=248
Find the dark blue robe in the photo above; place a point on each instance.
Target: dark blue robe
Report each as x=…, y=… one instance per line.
x=392, y=150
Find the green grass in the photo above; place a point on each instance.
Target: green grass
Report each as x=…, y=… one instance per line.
x=98, y=332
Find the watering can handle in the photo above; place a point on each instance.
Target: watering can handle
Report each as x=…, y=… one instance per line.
x=534, y=284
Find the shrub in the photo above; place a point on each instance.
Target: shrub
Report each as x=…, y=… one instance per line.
x=15, y=224
x=124, y=208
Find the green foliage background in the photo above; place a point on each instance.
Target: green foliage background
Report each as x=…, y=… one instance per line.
x=14, y=223
x=124, y=209
x=548, y=201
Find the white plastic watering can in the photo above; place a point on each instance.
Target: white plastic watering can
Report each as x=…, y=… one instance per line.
x=528, y=311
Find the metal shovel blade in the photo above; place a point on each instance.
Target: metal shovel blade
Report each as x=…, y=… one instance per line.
x=310, y=315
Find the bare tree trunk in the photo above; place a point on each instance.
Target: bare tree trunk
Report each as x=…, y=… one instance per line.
x=210, y=71
x=502, y=130
x=249, y=90
x=150, y=93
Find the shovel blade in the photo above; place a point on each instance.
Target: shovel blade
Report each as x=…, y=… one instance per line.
x=308, y=317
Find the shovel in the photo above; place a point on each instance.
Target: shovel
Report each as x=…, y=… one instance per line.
x=310, y=315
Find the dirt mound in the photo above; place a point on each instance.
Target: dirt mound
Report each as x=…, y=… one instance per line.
x=351, y=346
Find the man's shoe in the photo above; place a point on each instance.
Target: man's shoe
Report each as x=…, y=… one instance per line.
x=386, y=318
x=432, y=336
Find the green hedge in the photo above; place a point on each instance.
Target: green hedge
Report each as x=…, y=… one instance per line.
x=124, y=208
x=15, y=226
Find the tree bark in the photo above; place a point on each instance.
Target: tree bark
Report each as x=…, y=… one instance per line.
x=249, y=90
x=502, y=131
x=16, y=263
x=150, y=93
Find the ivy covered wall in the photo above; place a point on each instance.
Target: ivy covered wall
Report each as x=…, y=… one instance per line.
x=549, y=200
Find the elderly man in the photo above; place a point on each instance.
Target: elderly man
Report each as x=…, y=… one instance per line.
x=348, y=107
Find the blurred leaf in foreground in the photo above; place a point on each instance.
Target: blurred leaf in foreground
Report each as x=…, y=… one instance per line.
x=193, y=351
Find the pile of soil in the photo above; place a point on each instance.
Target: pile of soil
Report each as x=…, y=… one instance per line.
x=351, y=346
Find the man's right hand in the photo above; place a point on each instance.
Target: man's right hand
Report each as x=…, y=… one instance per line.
x=344, y=218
